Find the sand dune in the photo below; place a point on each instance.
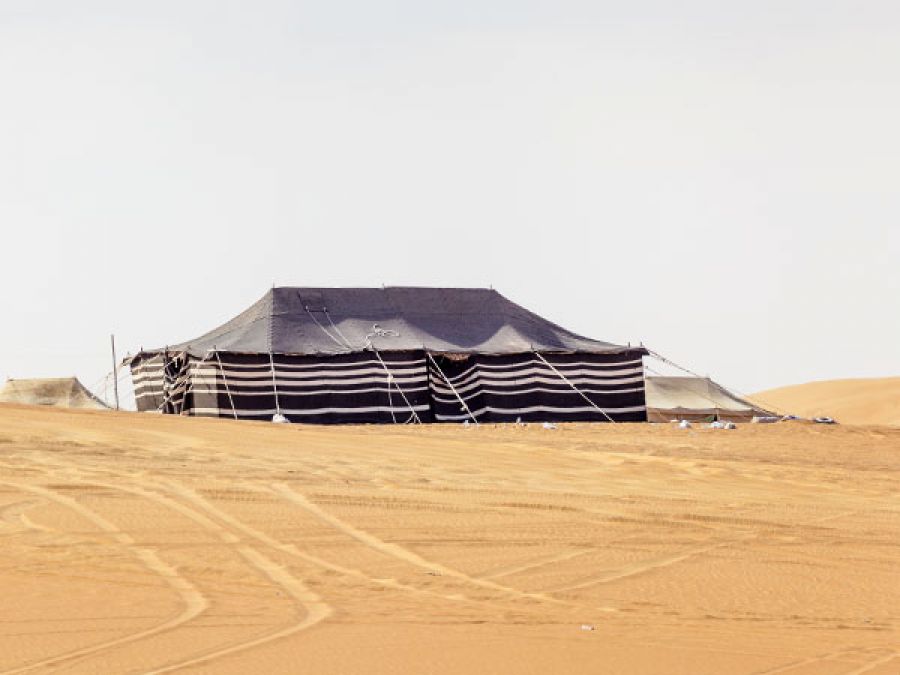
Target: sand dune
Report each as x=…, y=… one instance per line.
x=146, y=544
x=862, y=401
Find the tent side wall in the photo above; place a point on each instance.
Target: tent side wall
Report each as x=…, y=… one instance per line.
x=350, y=388
x=147, y=375
x=504, y=388
x=347, y=388
x=359, y=388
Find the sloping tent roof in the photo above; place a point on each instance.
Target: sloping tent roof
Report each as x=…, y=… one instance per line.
x=341, y=320
x=694, y=398
x=59, y=392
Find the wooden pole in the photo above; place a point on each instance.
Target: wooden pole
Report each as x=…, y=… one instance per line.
x=112, y=340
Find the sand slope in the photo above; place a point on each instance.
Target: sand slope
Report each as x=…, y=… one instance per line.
x=138, y=543
x=862, y=401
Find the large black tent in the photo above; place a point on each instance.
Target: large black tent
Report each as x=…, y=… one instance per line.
x=395, y=354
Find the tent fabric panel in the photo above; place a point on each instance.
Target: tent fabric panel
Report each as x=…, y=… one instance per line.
x=160, y=382
x=358, y=391
x=148, y=379
x=355, y=388
x=533, y=391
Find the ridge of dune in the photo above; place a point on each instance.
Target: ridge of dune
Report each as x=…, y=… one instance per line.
x=851, y=401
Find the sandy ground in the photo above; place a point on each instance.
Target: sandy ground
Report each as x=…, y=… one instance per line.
x=859, y=401
x=136, y=543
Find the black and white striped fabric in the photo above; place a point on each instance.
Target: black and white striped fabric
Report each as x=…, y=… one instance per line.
x=158, y=382
x=528, y=387
x=394, y=387
x=351, y=388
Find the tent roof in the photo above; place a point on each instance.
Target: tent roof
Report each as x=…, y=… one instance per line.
x=340, y=320
x=694, y=394
x=60, y=392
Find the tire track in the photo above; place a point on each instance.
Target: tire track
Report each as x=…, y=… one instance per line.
x=887, y=658
x=13, y=515
x=647, y=566
x=815, y=659
x=291, y=549
x=537, y=564
x=401, y=553
x=194, y=601
x=315, y=610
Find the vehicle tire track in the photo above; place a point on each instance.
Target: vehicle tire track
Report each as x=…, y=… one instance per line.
x=194, y=601
x=316, y=611
x=401, y=553
x=536, y=564
x=637, y=568
x=816, y=659
x=887, y=658
x=292, y=550
x=13, y=515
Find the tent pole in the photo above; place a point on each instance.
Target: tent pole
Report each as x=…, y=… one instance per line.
x=274, y=382
x=112, y=340
x=225, y=381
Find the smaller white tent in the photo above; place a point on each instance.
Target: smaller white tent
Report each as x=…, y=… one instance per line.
x=59, y=392
x=696, y=399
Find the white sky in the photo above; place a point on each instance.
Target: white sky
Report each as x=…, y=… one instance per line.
x=717, y=179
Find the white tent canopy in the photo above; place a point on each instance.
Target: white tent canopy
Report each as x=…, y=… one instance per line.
x=695, y=398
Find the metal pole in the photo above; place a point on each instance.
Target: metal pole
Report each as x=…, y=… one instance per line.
x=112, y=340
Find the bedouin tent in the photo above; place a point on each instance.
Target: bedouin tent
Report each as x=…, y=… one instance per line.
x=59, y=392
x=395, y=354
x=696, y=399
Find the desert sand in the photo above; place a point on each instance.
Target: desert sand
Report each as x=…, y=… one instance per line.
x=859, y=401
x=140, y=543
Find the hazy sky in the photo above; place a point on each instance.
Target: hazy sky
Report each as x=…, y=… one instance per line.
x=718, y=179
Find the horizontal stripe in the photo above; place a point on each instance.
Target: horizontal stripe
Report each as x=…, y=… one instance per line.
x=315, y=392
x=306, y=384
x=226, y=412
x=538, y=408
x=519, y=392
x=563, y=364
x=312, y=375
x=476, y=386
x=547, y=372
x=533, y=362
x=299, y=367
